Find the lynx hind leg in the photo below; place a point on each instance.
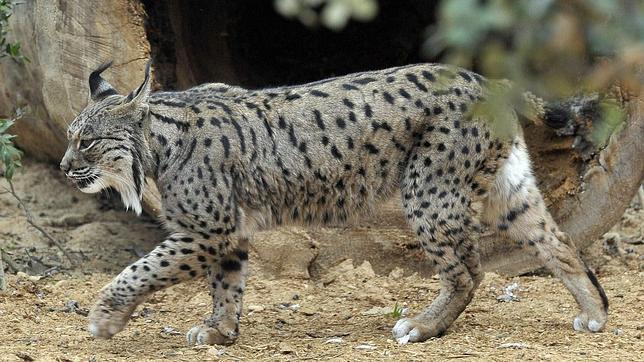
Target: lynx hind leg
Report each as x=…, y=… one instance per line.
x=515, y=209
x=227, y=281
x=436, y=192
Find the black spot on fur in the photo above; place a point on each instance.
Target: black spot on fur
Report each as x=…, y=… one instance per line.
x=230, y=265
x=318, y=119
x=292, y=97
x=335, y=152
x=318, y=93
x=429, y=76
x=371, y=148
x=242, y=255
x=363, y=81
x=226, y=144
x=414, y=79
x=281, y=123
x=465, y=76
x=388, y=97
x=367, y=111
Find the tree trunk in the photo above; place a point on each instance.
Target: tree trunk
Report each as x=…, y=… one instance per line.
x=192, y=42
x=65, y=41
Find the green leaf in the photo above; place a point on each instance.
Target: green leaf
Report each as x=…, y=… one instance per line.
x=498, y=110
x=612, y=116
x=5, y=124
x=9, y=154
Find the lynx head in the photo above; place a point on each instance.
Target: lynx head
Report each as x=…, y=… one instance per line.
x=107, y=146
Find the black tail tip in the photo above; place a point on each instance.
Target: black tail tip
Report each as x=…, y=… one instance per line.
x=557, y=115
x=600, y=290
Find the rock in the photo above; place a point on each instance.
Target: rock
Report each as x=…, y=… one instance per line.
x=285, y=253
x=255, y=308
x=334, y=340
x=307, y=311
x=509, y=293
x=365, y=347
x=73, y=306
x=397, y=273
x=365, y=270
x=215, y=352
x=286, y=348
x=338, y=271
x=513, y=345
x=32, y=278
x=289, y=306
x=170, y=331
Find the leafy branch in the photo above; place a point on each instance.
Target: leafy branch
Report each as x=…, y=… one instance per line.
x=10, y=158
x=8, y=48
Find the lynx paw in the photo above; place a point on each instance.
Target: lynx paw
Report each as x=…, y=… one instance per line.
x=411, y=330
x=104, y=323
x=583, y=323
x=203, y=334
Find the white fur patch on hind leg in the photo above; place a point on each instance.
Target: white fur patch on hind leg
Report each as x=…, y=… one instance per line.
x=516, y=171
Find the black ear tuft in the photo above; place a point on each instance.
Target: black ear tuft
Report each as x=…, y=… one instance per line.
x=99, y=88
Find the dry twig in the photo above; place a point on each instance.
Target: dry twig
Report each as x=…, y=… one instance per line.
x=31, y=221
x=3, y=282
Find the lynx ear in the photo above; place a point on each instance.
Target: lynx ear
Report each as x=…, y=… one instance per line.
x=138, y=99
x=140, y=95
x=99, y=88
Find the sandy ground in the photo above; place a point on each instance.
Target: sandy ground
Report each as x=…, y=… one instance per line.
x=340, y=313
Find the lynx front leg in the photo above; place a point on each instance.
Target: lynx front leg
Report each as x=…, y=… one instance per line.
x=227, y=280
x=178, y=258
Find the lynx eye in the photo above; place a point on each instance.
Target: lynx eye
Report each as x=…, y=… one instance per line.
x=87, y=144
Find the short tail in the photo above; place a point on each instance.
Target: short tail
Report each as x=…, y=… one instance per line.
x=563, y=116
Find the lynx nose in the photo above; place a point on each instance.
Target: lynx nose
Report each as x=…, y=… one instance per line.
x=64, y=166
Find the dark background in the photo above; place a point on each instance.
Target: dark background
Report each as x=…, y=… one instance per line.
x=249, y=44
